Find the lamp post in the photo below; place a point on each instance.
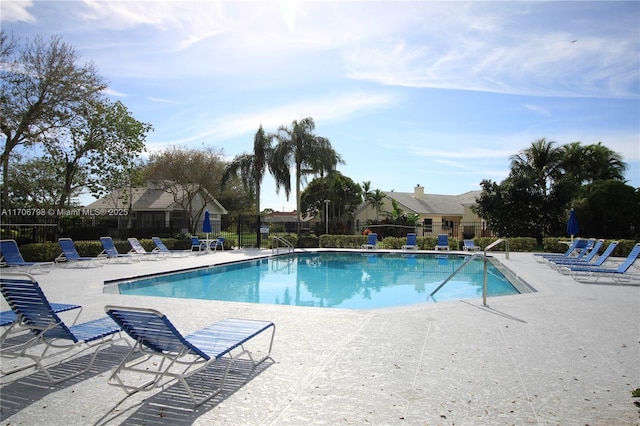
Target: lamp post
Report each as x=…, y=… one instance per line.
x=326, y=216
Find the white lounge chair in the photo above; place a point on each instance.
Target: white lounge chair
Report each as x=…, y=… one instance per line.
x=136, y=248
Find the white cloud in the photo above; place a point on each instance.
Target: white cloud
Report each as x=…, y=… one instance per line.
x=111, y=92
x=16, y=11
x=508, y=56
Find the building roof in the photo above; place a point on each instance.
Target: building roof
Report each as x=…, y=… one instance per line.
x=146, y=199
x=421, y=203
x=286, y=217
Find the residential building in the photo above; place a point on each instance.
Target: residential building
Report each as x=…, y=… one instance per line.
x=161, y=205
x=438, y=214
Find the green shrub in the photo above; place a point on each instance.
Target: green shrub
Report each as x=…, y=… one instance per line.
x=276, y=228
x=40, y=252
x=88, y=248
x=309, y=241
x=122, y=246
x=622, y=249
x=342, y=241
x=392, y=242
x=47, y=252
x=516, y=244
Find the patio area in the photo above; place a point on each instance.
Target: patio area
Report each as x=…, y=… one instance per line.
x=566, y=354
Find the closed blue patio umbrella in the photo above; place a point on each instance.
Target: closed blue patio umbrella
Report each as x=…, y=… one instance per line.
x=206, y=224
x=572, y=224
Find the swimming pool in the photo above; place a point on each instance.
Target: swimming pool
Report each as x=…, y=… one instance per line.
x=351, y=280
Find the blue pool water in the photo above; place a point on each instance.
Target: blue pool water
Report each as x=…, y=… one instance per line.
x=329, y=279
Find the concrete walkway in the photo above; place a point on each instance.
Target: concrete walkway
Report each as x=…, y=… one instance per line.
x=568, y=354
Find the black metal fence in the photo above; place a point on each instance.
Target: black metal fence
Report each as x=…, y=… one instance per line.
x=459, y=230
x=245, y=231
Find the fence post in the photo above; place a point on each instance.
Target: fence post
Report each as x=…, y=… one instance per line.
x=258, y=234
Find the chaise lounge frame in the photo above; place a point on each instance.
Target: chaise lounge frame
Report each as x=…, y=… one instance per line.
x=11, y=257
x=169, y=356
x=52, y=336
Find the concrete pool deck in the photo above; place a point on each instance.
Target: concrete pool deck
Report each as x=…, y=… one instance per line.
x=566, y=354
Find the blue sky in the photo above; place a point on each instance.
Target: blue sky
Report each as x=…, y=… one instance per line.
x=439, y=94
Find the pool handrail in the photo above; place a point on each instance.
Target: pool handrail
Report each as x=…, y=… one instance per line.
x=485, y=260
x=275, y=247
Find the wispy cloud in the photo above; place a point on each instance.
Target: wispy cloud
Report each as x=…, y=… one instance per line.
x=159, y=100
x=461, y=152
x=454, y=164
x=537, y=109
x=111, y=92
x=327, y=109
x=504, y=57
x=210, y=72
x=16, y=11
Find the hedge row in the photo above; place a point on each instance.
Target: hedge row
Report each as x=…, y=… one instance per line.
x=46, y=252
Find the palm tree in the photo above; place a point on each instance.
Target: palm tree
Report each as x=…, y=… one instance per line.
x=586, y=164
x=310, y=154
x=603, y=163
x=540, y=162
x=366, y=193
x=376, y=201
x=252, y=167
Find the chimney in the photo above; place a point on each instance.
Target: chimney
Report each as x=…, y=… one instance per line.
x=418, y=192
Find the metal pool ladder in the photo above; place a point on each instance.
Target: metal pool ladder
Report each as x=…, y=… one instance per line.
x=277, y=239
x=485, y=260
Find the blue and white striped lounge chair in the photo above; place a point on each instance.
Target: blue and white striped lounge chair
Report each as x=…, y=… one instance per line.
x=9, y=319
x=70, y=256
x=443, y=242
x=576, y=248
x=411, y=242
x=162, y=248
x=11, y=257
x=372, y=241
x=112, y=254
x=587, y=259
x=52, y=336
x=169, y=356
x=622, y=274
x=470, y=245
x=137, y=249
x=582, y=256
